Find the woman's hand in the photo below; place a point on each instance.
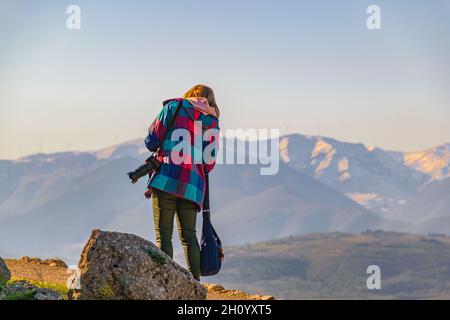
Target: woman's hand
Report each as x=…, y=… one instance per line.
x=148, y=193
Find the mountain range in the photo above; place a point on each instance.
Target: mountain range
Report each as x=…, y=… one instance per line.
x=378, y=179
x=50, y=202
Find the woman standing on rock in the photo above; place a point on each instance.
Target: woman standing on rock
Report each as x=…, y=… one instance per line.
x=179, y=185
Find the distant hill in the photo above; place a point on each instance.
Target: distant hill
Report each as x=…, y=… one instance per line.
x=248, y=207
x=334, y=265
x=429, y=211
x=55, y=204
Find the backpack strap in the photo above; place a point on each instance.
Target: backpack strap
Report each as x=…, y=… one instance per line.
x=172, y=121
x=175, y=115
x=206, y=197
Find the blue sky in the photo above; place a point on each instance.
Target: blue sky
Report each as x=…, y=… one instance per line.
x=300, y=66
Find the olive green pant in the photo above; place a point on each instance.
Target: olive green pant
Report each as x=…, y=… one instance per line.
x=164, y=207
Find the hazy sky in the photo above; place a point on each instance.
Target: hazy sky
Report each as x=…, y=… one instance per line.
x=301, y=66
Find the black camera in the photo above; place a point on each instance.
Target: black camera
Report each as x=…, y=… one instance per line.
x=151, y=164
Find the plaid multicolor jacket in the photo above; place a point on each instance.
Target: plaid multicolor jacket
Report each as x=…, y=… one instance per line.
x=187, y=179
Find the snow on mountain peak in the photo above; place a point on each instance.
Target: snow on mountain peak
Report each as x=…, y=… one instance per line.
x=434, y=161
x=328, y=152
x=130, y=148
x=322, y=147
x=284, y=151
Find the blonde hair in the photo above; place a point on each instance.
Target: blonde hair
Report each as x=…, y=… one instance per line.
x=201, y=91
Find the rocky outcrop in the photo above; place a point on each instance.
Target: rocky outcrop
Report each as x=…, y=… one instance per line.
x=48, y=262
x=116, y=265
x=22, y=290
x=5, y=275
x=218, y=292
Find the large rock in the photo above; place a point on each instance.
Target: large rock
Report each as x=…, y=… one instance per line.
x=116, y=265
x=5, y=275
